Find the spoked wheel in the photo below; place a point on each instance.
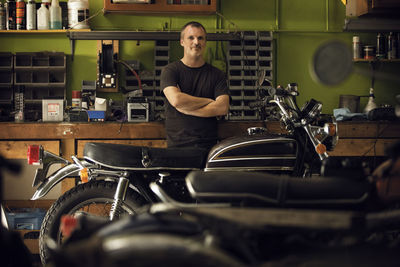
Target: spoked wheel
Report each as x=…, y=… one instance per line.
x=95, y=197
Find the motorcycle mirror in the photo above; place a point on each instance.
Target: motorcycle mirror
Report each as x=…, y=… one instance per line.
x=261, y=78
x=332, y=63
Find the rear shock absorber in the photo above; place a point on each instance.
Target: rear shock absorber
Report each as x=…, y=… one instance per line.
x=119, y=197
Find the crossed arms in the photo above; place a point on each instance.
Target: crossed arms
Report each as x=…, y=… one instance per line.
x=197, y=106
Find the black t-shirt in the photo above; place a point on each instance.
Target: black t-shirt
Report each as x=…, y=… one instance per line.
x=205, y=81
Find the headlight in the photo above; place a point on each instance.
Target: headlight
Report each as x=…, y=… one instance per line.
x=311, y=110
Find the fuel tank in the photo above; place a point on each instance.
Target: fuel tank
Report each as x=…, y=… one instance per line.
x=262, y=152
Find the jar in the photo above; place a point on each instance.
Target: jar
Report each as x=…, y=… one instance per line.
x=369, y=52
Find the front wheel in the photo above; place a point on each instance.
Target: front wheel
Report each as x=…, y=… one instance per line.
x=95, y=197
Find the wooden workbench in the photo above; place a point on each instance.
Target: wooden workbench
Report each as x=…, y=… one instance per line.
x=361, y=138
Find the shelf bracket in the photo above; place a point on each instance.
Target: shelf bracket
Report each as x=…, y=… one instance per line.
x=72, y=44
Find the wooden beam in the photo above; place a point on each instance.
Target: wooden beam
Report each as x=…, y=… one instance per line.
x=18, y=149
x=362, y=147
x=368, y=130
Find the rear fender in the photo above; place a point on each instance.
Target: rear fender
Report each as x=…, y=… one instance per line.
x=48, y=183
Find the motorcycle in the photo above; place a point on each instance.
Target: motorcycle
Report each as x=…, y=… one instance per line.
x=115, y=179
x=251, y=219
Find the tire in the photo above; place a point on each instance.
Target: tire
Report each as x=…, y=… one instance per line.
x=80, y=197
x=160, y=249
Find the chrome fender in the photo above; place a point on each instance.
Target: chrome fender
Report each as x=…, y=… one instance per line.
x=55, y=178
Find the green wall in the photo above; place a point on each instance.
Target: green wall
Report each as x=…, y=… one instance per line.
x=299, y=28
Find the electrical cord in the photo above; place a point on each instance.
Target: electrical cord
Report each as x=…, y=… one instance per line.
x=125, y=64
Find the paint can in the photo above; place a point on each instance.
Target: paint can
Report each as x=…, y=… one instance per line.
x=78, y=14
x=76, y=98
x=352, y=102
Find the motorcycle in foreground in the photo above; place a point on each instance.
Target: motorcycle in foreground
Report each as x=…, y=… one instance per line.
x=115, y=179
x=251, y=219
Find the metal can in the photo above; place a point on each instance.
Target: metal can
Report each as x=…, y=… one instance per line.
x=31, y=15
x=11, y=15
x=2, y=17
x=380, y=46
x=20, y=15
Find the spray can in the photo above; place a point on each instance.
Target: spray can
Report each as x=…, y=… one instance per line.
x=31, y=15
x=20, y=14
x=380, y=46
x=11, y=15
x=392, y=47
x=2, y=17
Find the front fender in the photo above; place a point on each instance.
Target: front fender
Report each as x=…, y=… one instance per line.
x=55, y=178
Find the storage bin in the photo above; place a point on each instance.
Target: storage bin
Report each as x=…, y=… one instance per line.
x=25, y=219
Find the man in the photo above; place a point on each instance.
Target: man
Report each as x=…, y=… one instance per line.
x=196, y=92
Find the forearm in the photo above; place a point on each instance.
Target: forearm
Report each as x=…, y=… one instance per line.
x=183, y=101
x=219, y=107
x=190, y=103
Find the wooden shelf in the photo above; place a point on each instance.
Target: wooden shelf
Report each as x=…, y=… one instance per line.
x=376, y=60
x=43, y=31
x=160, y=7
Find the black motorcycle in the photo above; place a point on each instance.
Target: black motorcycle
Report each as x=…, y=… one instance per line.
x=252, y=219
x=115, y=179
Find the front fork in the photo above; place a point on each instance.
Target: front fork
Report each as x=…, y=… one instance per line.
x=119, y=196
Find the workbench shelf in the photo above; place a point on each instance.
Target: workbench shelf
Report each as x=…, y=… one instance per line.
x=376, y=60
x=42, y=31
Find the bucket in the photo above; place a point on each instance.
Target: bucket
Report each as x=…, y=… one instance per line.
x=352, y=102
x=78, y=13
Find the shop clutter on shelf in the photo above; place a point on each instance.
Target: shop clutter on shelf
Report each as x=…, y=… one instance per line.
x=386, y=47
x=47, y=15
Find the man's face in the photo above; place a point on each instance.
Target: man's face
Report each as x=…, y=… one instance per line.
x=193, y=41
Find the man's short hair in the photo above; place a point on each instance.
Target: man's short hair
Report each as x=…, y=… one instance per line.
x=193, y=24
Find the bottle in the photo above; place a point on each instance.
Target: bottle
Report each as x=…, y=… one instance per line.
x=46, y=3
x=31, y=15
x=380, y=46
x=55, y=15
x=11, y=16
x=392, y=47
x=2, y=17
x=371, y=102
x=43, y=18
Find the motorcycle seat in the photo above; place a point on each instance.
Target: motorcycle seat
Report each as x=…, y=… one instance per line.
x=252, y=188
x=130, y=157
